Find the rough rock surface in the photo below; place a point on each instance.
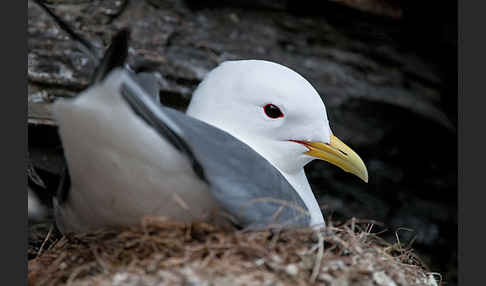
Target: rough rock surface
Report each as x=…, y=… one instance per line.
x=389, y=84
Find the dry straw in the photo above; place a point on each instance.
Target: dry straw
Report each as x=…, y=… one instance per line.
x=163, y=252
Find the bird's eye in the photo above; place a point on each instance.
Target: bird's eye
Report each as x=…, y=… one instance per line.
x=272, y=111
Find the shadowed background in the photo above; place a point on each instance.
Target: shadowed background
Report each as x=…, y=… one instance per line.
x=386, y=70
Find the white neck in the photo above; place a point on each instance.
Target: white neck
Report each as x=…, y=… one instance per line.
x=301, y=185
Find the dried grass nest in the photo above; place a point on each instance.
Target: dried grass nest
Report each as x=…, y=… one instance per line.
x=163, y=252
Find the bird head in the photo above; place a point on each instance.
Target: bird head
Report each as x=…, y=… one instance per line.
x=275, y=111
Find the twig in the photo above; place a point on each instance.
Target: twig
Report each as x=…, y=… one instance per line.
x=78, y=270
x=320, y=253
x=45, y=241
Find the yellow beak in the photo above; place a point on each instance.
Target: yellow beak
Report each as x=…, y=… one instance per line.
x=339, y=154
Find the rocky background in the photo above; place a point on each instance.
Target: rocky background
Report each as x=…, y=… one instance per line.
x=386, y=70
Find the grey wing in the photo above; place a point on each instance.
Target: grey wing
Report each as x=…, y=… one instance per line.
x=244, y=183
x=149, y=82
x=150, y=111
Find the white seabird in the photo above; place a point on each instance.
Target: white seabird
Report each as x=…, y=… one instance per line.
x=234, y=97
x=252, y=126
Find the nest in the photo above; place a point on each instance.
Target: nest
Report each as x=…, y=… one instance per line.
x=163, y=252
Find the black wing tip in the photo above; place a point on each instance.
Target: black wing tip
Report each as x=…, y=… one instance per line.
x=122, y=37
x=64, y=186
x=115, y=56
x=117, y=52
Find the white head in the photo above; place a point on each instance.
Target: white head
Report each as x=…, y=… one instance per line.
x=275, y=111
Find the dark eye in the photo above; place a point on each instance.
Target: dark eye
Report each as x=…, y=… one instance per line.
x=272, y=111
